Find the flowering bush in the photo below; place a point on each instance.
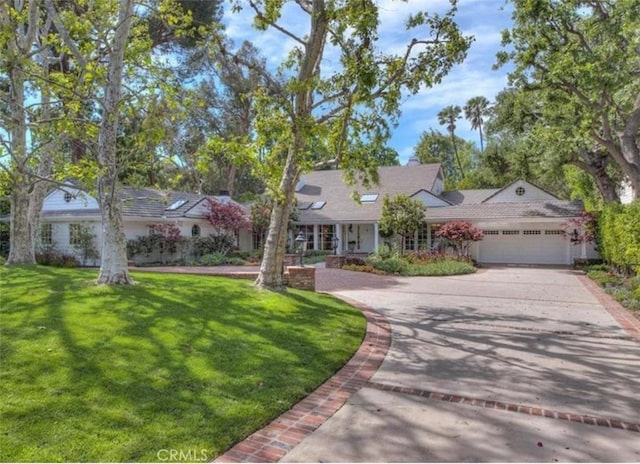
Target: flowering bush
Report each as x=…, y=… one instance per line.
x=461, y=234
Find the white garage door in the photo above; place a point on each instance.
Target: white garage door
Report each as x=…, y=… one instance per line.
x=543, y=246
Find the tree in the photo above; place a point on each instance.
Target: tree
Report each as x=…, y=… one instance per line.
x=581, y=56
x=475, y=110
x=346, y=107
x=436, y=147
x=449, y=115
x=401, y=215
x=461, y=234
x=26, y=142
x=226, y=217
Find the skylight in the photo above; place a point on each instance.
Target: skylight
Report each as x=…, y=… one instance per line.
x=304, y=205
x=318, y=204
x=176, y=204
x=369, y=198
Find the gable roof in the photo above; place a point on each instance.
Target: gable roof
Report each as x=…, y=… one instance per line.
x=146, y=202
x=329, y=186
x=465, y=197
x=519, y=182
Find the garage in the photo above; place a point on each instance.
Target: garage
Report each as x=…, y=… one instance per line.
x=524, y=246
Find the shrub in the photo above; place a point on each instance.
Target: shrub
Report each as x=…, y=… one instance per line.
x=441, y=268
x=234, y=261
x=213, y=259
x=461, y=234
x=354, y=261
x=619, y=235
x=55, y=259
x=602, y=277
x=426, y=257
x=392, y=265
x=3, y=261
x=362, y=268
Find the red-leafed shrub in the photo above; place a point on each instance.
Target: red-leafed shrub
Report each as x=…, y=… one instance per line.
x=227, y=217
x=461, y=234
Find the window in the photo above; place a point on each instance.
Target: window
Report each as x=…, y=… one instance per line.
x=325, y=237
x=520, y=191
x=491, y=232
x=46, y=234
x=258, y=239
x=68, y=197
x=75, y=234
x=369, y=197
x=308, y=231
x=510, y=232
x=554, y=232
x=432, y=233
x=422, y=237
x=176, y=204
x=531, y=232
x=195, y=230
x=417, y=240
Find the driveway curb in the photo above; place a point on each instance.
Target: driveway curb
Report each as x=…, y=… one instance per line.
x=275, y=440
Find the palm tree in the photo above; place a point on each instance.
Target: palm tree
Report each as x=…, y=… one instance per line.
x=475, y=109
x=448, y=116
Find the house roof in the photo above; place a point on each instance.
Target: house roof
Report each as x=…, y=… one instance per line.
x=329, y=186
x=325, y=198
x=465, y=197
x=511, y=210
x=147, y=202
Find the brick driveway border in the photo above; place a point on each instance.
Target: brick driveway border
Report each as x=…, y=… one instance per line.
x=275, y=440
x=625, y=318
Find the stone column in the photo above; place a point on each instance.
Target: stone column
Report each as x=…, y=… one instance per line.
x=303, y=278
x=337, y=229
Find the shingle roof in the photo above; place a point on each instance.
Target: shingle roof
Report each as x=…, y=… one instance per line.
x=148, y=202
x=145, y=202
x=329, y=186
x=466, y=197
x=514, y=210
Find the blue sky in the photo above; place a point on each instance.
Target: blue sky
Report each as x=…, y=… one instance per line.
x=483, y=19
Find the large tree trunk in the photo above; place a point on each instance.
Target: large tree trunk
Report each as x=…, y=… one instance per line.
x=113, y=263
x=595, y=164
x=272, y=266
x=21, y=245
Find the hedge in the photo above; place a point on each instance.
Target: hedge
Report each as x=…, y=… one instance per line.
x=619, y=235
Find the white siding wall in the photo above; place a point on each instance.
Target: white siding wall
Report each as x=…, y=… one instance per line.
x=531, y=193
x=61, y=237
x=55, y=201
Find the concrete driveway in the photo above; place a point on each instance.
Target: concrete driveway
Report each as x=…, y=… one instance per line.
x=502, y=365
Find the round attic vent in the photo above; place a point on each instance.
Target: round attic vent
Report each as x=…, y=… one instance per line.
x=520, y=191
x=68, y=197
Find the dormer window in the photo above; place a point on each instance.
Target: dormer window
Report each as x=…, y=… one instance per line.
x=520, y=191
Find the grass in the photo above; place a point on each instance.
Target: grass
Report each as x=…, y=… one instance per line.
x=187, y=363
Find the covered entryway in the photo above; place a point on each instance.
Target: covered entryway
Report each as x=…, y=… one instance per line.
x=524, y=246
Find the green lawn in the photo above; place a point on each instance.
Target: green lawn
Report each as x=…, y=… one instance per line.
x=184, y=363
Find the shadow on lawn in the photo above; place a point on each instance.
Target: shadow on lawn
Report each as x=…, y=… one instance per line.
x=141, y=365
